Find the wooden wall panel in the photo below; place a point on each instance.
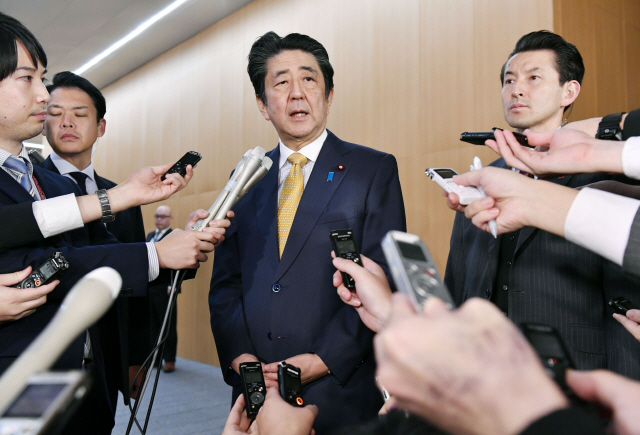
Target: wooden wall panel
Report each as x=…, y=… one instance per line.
x=607, y=33
x=410, y=76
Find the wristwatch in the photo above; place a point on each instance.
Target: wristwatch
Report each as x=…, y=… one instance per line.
x=609, y=127
x=107, y=216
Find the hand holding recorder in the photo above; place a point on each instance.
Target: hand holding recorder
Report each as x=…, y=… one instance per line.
x=17, y=303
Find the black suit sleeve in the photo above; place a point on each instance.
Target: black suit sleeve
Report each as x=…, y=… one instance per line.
x=19, y=226
x=631, y=125
x=570, y=421
x=631, y=259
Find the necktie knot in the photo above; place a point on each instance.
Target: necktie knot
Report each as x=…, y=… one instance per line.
x=21, y=170
x=297, y=159
x=81, y=179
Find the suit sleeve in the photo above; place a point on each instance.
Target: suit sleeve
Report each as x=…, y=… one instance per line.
x=631, y=259
x=454, y=275
x=228, y=322
x=345, y=331
x=19, y=226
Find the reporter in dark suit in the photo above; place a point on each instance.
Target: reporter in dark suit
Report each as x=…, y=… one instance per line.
x=23, y=100
x=271, y=296
x=159, y=295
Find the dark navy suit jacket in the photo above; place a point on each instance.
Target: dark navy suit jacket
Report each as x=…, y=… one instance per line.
x=551, y=281
x=129, y=316
x=276, y=309
x=86, y=249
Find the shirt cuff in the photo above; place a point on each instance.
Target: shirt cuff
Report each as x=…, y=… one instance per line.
x=631, y=158
x=154, y=264
x=601, y=222
x=57, y=215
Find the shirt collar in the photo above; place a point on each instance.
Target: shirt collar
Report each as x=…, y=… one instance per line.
x=4, y=155
x=310, y=151
x=64, y=167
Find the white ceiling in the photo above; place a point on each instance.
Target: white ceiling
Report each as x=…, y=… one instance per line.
x=74, y=31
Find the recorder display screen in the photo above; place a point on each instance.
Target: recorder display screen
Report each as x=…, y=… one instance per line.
x=346, y=246
x=446, y=173
x=252, y=377
x=412, y=252
x=34, y=400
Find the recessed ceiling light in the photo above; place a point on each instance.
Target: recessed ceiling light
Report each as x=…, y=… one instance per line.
x=137, y=31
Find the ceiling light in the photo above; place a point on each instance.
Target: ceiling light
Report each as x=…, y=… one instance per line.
x=137, y=31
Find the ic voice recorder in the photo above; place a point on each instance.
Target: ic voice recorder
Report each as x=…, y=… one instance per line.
x=253, y=387
x=180, y=167
x=290, y=384
x=444, y=178
x=345, y=247
x=46, y=273
x=413, y=269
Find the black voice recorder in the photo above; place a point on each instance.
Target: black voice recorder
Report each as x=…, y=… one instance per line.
x=290, y=384
x=345, y=247
x=47, y=272
x=253, y=387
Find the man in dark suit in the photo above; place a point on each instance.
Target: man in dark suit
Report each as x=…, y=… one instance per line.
x=271, y=296
x=23, y=100
x=159, y=294
x=75, y=121
x=530, y=274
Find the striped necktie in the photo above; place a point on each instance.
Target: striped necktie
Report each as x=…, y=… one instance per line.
x=19, y=168
x=290, y=198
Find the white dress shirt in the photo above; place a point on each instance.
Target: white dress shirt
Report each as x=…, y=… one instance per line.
x=310, y=151
x=601, y=221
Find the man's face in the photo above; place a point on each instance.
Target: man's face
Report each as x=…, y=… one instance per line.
x=295, y=94
x=71, y=125
x=532, y=96
x=23, y=101
x=163, y=217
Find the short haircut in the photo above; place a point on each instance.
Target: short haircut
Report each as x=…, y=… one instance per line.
x=67, y=79
x=568, y=60
x=13, y=31
x=270, y=44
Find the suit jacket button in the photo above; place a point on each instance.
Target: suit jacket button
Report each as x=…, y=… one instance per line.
x=276, y=288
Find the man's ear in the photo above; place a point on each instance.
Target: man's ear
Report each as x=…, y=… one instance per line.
x=570, y=92
x=329, y=101
x=102, y=126
x=263, y=108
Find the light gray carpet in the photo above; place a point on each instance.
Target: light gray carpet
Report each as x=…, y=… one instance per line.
x=192, y=400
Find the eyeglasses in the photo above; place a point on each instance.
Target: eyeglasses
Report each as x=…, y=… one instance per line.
x=160, y=216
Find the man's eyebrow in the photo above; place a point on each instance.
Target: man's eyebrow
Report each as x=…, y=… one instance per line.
x=279, y=73
x=26, y=68
x=532, y=69
x=58, y=106
x=309, y=68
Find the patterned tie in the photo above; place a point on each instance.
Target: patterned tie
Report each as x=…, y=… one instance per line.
x=81, y=179
x=290, y=198
x=19, y=168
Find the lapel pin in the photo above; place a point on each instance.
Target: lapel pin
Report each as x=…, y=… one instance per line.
x=340, y=167
x=330, y=176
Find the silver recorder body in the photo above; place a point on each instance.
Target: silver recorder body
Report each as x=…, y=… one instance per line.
x=413, y=269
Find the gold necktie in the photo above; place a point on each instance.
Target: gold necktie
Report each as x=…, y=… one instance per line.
x=290, y=198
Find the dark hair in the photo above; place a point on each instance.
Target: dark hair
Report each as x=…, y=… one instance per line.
x=568, y=60
x=67, y=79
x=270, y=44
x=12, y=31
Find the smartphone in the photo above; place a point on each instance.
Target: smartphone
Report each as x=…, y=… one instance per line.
x=253, y=387
x=621, y=305
x=45, y=404
x=345, y=247
x=478, y=138
x=413, y=269
x=47, y=272
x=180, y=167
x=290, y=384
x=444, y=178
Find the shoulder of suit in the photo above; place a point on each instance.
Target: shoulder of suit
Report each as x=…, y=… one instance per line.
x=52, y=177
x=365, y=151
x=108, y=184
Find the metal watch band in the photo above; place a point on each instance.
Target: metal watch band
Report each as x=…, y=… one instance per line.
x=609, y=127
x=107, y=216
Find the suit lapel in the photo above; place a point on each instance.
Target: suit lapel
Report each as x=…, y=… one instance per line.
x=13, y=189
x=315, y=198
x=527, y=232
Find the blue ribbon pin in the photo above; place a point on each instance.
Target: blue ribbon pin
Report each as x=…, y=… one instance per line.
x=330, y=176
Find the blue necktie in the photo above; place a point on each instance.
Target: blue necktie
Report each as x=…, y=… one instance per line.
x=81, y=179
x=19, y=168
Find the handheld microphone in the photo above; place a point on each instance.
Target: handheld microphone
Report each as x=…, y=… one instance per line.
x=250, y=169
x=85, y=303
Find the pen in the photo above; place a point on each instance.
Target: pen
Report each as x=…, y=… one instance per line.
x=493, y=226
